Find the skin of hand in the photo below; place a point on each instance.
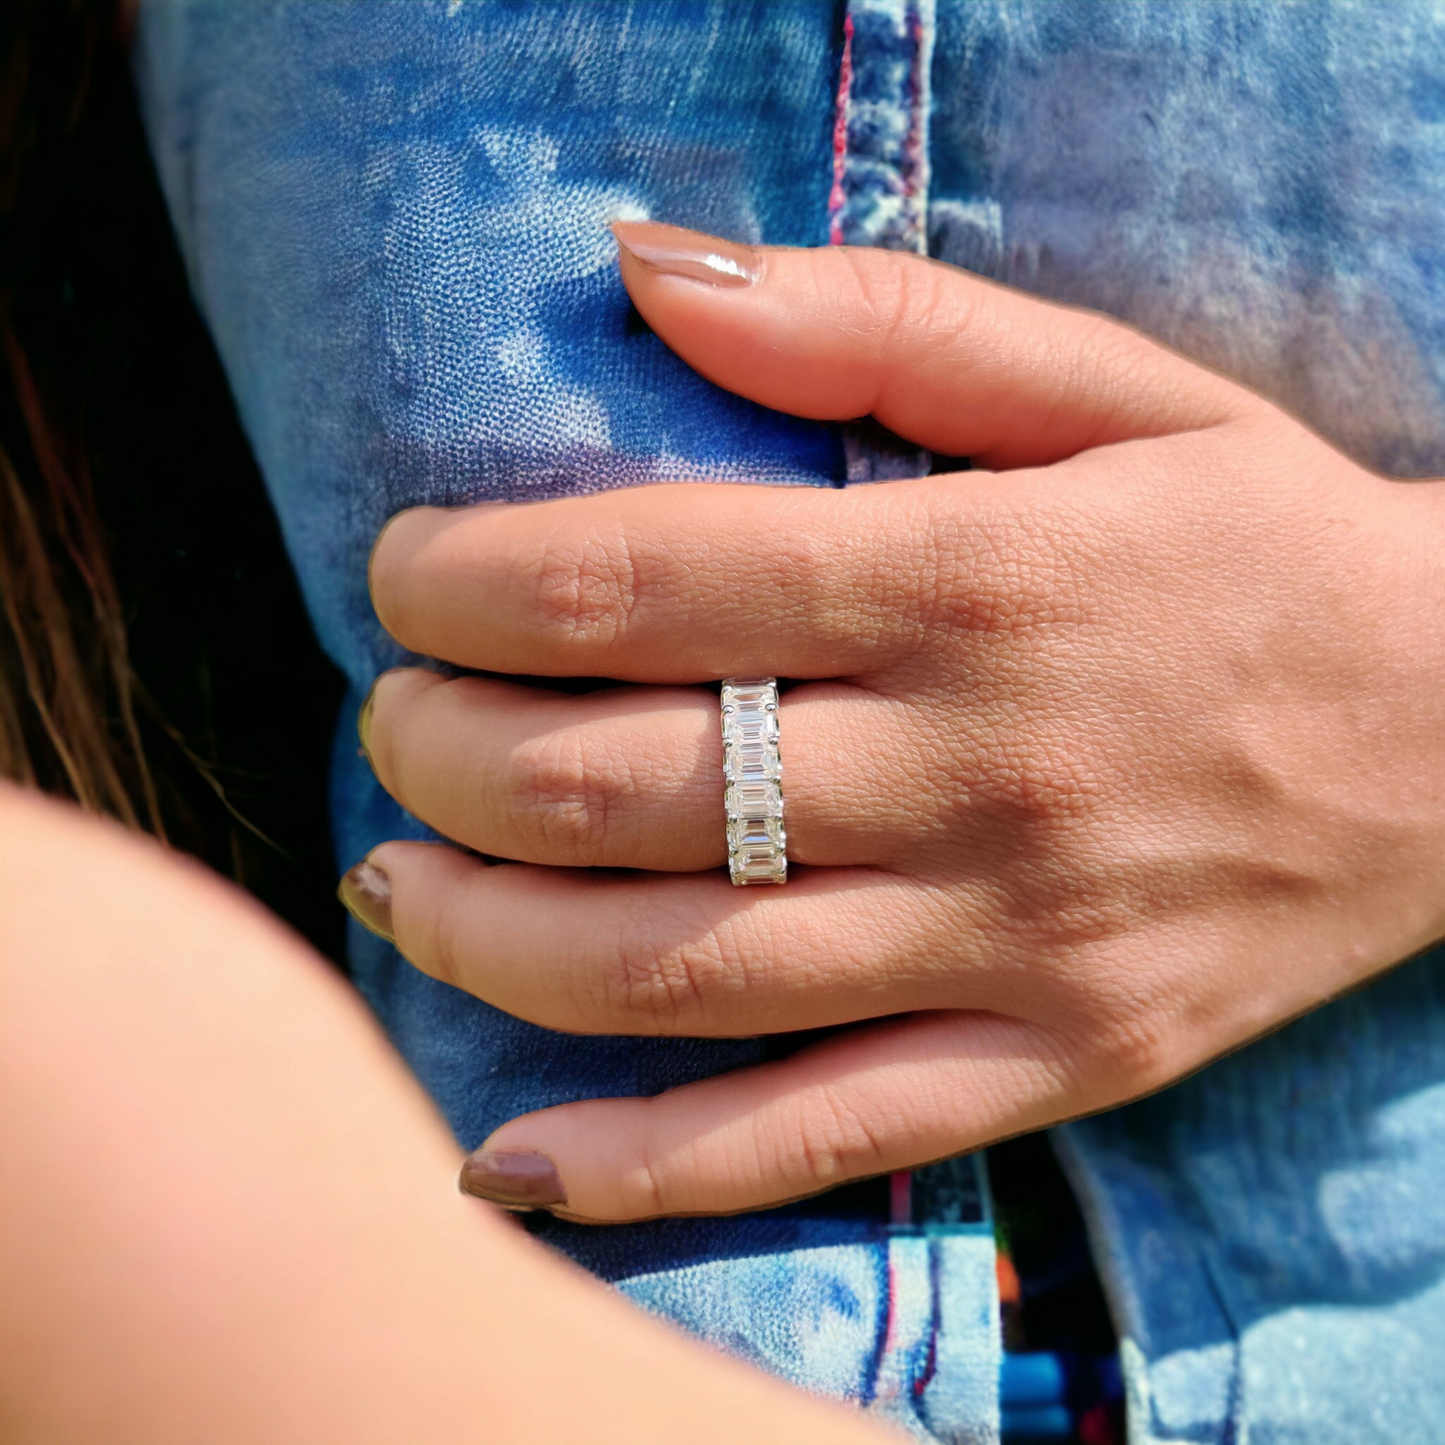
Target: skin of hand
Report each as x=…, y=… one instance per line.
x=1100, y=760
x=228, y=1212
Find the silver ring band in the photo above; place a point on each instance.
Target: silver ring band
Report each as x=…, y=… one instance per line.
x=753, y=781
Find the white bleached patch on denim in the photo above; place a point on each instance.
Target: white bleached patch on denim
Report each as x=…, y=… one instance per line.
x=1138, y=1397
x=1285, y=235
x=482, y=237
x=1190, y=1390
x=1345, y=1375
x=810, y=1315
x=915, y=1343
x=520, y=354
x=1386, y=1212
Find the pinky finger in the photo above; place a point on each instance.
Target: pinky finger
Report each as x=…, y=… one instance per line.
x=877, y=1098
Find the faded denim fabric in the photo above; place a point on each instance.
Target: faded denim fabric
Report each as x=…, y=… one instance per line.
x=1262, y=186
x=394, y=219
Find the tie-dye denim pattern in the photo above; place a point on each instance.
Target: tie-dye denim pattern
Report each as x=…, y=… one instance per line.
x=1263, y=186
x=394, y=218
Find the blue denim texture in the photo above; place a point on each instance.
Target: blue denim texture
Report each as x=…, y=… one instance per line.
x=394, y=219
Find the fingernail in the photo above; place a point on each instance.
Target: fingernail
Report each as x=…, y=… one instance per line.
x=363, y=722
x=516, y=1178
x=671, y=251
x=366, y=892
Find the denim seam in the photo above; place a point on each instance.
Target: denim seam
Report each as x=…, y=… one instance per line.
x=880, y=138
x=879, y=195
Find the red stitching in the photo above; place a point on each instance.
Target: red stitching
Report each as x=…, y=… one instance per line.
x=837, y=196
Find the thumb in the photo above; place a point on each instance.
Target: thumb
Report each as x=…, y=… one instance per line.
x=963, y=366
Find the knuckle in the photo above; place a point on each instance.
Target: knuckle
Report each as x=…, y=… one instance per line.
x=664, y=990
x=1123, y=368
x=563, y=800
x=585, y=588
x=1059, y=912
x=1085, y=940
x=999, y=570
x=837, y=1141
x=670, y=971
x=1142, y=1049
x=1131, y=1047
x=1036, y=814
x=899, y=297
x=1040, y=783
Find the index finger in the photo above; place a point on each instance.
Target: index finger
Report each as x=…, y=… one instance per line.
x=663, y=584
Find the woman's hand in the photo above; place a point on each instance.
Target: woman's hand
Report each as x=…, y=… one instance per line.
x=1093, y=770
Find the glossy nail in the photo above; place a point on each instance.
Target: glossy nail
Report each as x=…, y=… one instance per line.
x=366, y=892
x=516, y=1178
x=672, y=251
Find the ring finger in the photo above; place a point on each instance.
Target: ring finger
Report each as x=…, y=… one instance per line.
x=628, y=777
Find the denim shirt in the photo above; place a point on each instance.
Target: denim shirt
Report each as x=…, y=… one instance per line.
x=394, y=218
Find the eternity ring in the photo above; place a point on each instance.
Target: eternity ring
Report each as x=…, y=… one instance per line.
x=753, y=781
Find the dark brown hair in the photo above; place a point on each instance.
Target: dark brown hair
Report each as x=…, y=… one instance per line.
x=67, y=689
x=156, y=661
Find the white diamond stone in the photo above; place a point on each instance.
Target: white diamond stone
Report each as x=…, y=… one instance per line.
x=751, y=727
x=754, y=694
x=754, y=800
x=752, y=770
x=752, y=763
x=746, y=833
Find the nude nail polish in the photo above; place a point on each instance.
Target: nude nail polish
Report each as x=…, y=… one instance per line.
x=516, y=1178
x=692, y=255
x=363, y=723
x=366, y=892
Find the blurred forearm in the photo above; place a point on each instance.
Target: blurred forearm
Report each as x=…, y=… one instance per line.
x=227, y=1212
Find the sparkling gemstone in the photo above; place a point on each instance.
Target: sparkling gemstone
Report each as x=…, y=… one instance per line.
x=754, y=800
x=759, y=866
x=748, y=694
x=751, y=727
x=752, y=763
x=745, y=834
